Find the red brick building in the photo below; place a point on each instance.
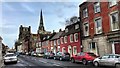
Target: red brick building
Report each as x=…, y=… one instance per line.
x=70, y=39
x=55, y=41
x=101, y=27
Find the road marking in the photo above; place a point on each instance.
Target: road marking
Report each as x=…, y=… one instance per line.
x=56, y=64
x=43, y=61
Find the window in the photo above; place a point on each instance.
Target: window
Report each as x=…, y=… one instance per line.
x=54, y=42
x=65, y=39
x=92, y=46
x=51, y=43
x=58, y=41
x=62, y=40
x=85, y=13
x=97, y=7
x=71, y=38
x=76, y=37
x=63, y=49
x=98, y=25
x=112, y=3
x=105, y=57
x=86, y=29
x=114, y=21
x=58, y=48
x=74, y=50
x=66, y=30
x=76, y=26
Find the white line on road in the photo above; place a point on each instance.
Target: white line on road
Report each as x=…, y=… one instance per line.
x=56, y=64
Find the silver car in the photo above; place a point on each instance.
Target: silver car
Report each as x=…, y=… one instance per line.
x=10, y=57
x=108, y=60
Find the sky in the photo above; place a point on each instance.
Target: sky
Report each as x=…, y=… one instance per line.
x=14, y=13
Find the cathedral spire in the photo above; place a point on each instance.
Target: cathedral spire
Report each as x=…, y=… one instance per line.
x=41, y=26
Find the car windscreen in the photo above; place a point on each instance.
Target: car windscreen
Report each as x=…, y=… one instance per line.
x=92, y=54
x=9, y=55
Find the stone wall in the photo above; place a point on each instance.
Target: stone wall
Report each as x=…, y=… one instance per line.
x=103, y=46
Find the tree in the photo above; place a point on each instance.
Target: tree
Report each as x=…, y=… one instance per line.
x=72, y=20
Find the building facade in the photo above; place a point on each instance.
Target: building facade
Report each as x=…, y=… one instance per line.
x=55, y=42
x=70, y=39
x=24, y=38
x=100, y=27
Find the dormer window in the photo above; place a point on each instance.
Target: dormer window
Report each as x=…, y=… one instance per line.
x=76, y=26
x=66, y=30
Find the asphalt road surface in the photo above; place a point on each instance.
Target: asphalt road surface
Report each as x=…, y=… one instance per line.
x=37, y=62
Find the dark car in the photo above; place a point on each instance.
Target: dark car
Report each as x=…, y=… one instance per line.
x=48, y=55
x=62, y=56
x=84, y=57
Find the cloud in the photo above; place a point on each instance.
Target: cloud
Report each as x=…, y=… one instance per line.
x=28, y=8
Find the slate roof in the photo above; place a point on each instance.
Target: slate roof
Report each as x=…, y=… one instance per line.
x=71, y=29
x=57, y=35
x=47, y=36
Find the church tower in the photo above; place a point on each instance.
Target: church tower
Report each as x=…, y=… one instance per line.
x=41, y=28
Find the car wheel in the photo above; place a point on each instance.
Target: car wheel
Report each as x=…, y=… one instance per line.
x=72, y=60
x=117, y=65
x=96, y=64
x=61, y=59
x=54, y=58
x=84, y=61
x=5, y=63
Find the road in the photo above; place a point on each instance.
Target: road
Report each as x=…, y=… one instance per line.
x=37, y=62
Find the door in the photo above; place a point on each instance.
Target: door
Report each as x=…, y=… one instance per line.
x=70, y=50
x=117, y=48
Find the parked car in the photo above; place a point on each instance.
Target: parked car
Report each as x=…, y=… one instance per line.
x=10, y=57
x=39, y=54
x=62, y=56
x=84, y=57
x=48, y=55
x=17, y=53
x=108, y=60
x=33, y=53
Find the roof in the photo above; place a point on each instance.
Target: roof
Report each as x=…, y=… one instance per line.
x=1, y=38
x=71, y=29
x=48, y=36
x=57, y=35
